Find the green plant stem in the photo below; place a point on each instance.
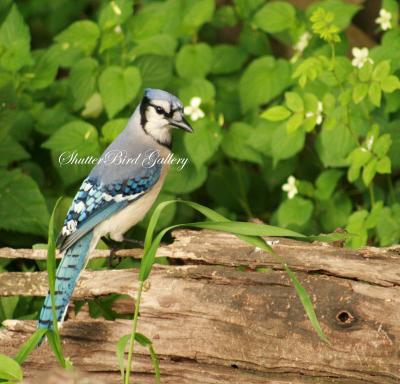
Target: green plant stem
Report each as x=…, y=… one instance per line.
x=372, y=194
x=133, y=332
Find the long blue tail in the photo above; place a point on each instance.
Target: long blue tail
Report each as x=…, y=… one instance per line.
x=67, y=274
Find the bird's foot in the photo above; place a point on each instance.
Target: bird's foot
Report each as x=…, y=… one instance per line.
x=113, y=259
x=134, y=241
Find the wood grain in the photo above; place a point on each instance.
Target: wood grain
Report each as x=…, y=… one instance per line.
x=212, y=322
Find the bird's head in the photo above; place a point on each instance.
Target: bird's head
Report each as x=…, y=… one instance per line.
x=159, y=113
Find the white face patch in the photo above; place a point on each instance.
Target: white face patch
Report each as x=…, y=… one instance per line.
x=157, y=124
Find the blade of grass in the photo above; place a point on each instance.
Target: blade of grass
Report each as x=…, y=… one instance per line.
x=29, y=345
x=307, y=304
x=146, y=342
x=133, y=332
x=53, y=335
x=121, y=345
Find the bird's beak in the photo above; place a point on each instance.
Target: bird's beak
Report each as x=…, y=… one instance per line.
x=181, y=124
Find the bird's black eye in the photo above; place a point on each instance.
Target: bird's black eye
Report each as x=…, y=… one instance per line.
x=159, y=109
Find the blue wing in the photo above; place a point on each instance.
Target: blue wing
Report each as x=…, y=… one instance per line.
x=96, y=201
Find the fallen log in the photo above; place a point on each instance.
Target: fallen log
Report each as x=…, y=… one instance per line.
x=218, y=317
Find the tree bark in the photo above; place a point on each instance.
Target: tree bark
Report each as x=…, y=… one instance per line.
x=227, y=313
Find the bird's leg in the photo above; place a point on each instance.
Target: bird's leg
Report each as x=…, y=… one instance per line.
x=114, y=247
x=134, y=241
x=117, y=245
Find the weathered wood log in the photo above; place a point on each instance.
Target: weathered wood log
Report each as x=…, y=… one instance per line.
x=212, y=322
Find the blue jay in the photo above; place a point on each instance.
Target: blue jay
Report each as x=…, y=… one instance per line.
x=116, y=195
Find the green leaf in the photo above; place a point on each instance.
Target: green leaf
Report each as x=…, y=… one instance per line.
x=343, y=12
x=334, y=211
x=156, y=71
x=118, y=87
x=227, y=59
x=369, y=171
x=264, y=79
x=326, y=183
x=388, y=49
x=365, y=72
x=384, y=165
x=294, y=102
x=9, y=369
x=71, y=142
x=93, y=106
x=388, y=226
x=381, y=71
x=114, y=13
x=194, y=60
x=209, y=134
x=289, y=143
x=356, y=226
x=163, y=45
x=196, y=13
x=44, y=71
x=334, y=144
x=82, y=81
x=75, y=136
x=22, y=206
x=374, y=215
x=375, y=94
x=357, y=158
x=82, y=35
x=360, y=90
x=30, y=345
x=275, y=17
x=113, y=128
x=235, y=143
x=14, y=42
x=11, y=151
x=197, y=88
x=294, y=122
x=276, y=113
x=185, y=180
x=51, y=119
x=254, y=42
x=382, y=144
x=390, y=83
x=294, y=213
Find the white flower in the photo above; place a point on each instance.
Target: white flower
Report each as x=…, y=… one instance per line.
x=360, y=57
x=301, y=45
x=318, y=114
x=303, y=41
x=290, y=187
x=117, y=29
x=384, y=19
x=193, y=110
